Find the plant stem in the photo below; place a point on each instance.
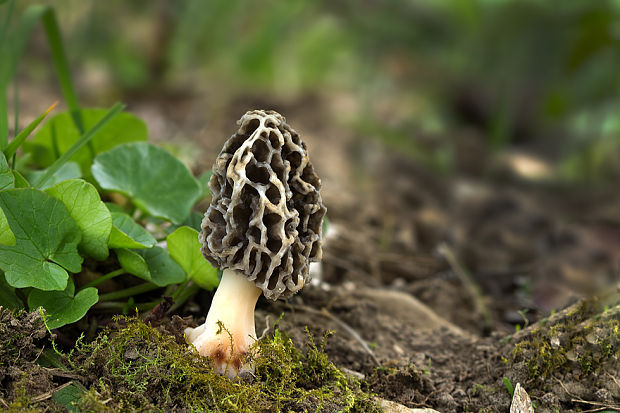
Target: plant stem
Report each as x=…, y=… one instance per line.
x=184, y=296
x=168, y=290
x=103, y=278
x=179, y=289
x=128, y=292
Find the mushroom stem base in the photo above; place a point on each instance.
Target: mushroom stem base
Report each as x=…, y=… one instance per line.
x=229, y=330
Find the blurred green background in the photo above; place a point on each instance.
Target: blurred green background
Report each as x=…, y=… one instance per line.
x=432, y=78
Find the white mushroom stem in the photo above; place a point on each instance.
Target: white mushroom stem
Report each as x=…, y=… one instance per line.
x=233, y=308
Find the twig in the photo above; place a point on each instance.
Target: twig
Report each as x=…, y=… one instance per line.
x=603, y=405
x=50, y=393
x=575, y=399
x=60, y=373
x=469, y=282
x=342, y=324
x=596, y=409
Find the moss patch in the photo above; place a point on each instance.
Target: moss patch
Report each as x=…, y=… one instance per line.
x=133, y=366
x=577, y=347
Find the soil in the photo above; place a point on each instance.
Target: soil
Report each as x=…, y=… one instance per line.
x=442, y=291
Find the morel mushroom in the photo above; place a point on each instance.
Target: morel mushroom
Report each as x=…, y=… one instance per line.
x=262, y=228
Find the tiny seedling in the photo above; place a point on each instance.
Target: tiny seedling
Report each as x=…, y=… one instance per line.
x=509, y=387
x=427, y=369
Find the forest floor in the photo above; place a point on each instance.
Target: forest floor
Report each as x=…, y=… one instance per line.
x=442, y=291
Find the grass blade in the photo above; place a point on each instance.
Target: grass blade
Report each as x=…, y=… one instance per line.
x=7, y=20
x=84, y=139
x=5, y=78
x=16, y=117
x=21, y=137
x=4, y=115
x=50, y=24
x=18, y=39
x=14, y=49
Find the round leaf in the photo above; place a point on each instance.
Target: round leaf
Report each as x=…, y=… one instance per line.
x=47, y=239
x=163, y=269
x=8, y=298
x=89, y=212
x=20, y=181
x=6, y=235
x=156, y=181
x=184, y=248
x=112, y=207
x=133, y=263
x=6, y=177
x=59, y=133
x=69, y=170
x=204, y=179
x=69, y=397
x=154, y=265
x=194, y=220
x=126, y=233
x=63, y=307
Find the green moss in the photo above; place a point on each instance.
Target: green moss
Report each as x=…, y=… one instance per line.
x=578, y=342
x=135, y=367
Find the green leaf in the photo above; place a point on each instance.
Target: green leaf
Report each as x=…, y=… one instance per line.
x=89, y=212
x=63, y=307
x=204, y=184
x=163, y=269
x=156, y=181
x=69, y=170
x=20, y=181
x=112, y=207
x=509, y=387
x=194, y=220
x=60, y=133
x=6, y=177
x=154, y=265
x=6, y=235
x=133, y=263
x=47, y=239
x=86, y=138
x=184, y=248
x=8, y=298
x=126, y=233
x=69, y=397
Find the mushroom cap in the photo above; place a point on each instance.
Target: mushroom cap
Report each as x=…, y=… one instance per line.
x=266, y=213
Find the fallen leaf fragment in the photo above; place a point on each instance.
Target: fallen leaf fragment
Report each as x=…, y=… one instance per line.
x=521, y=402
